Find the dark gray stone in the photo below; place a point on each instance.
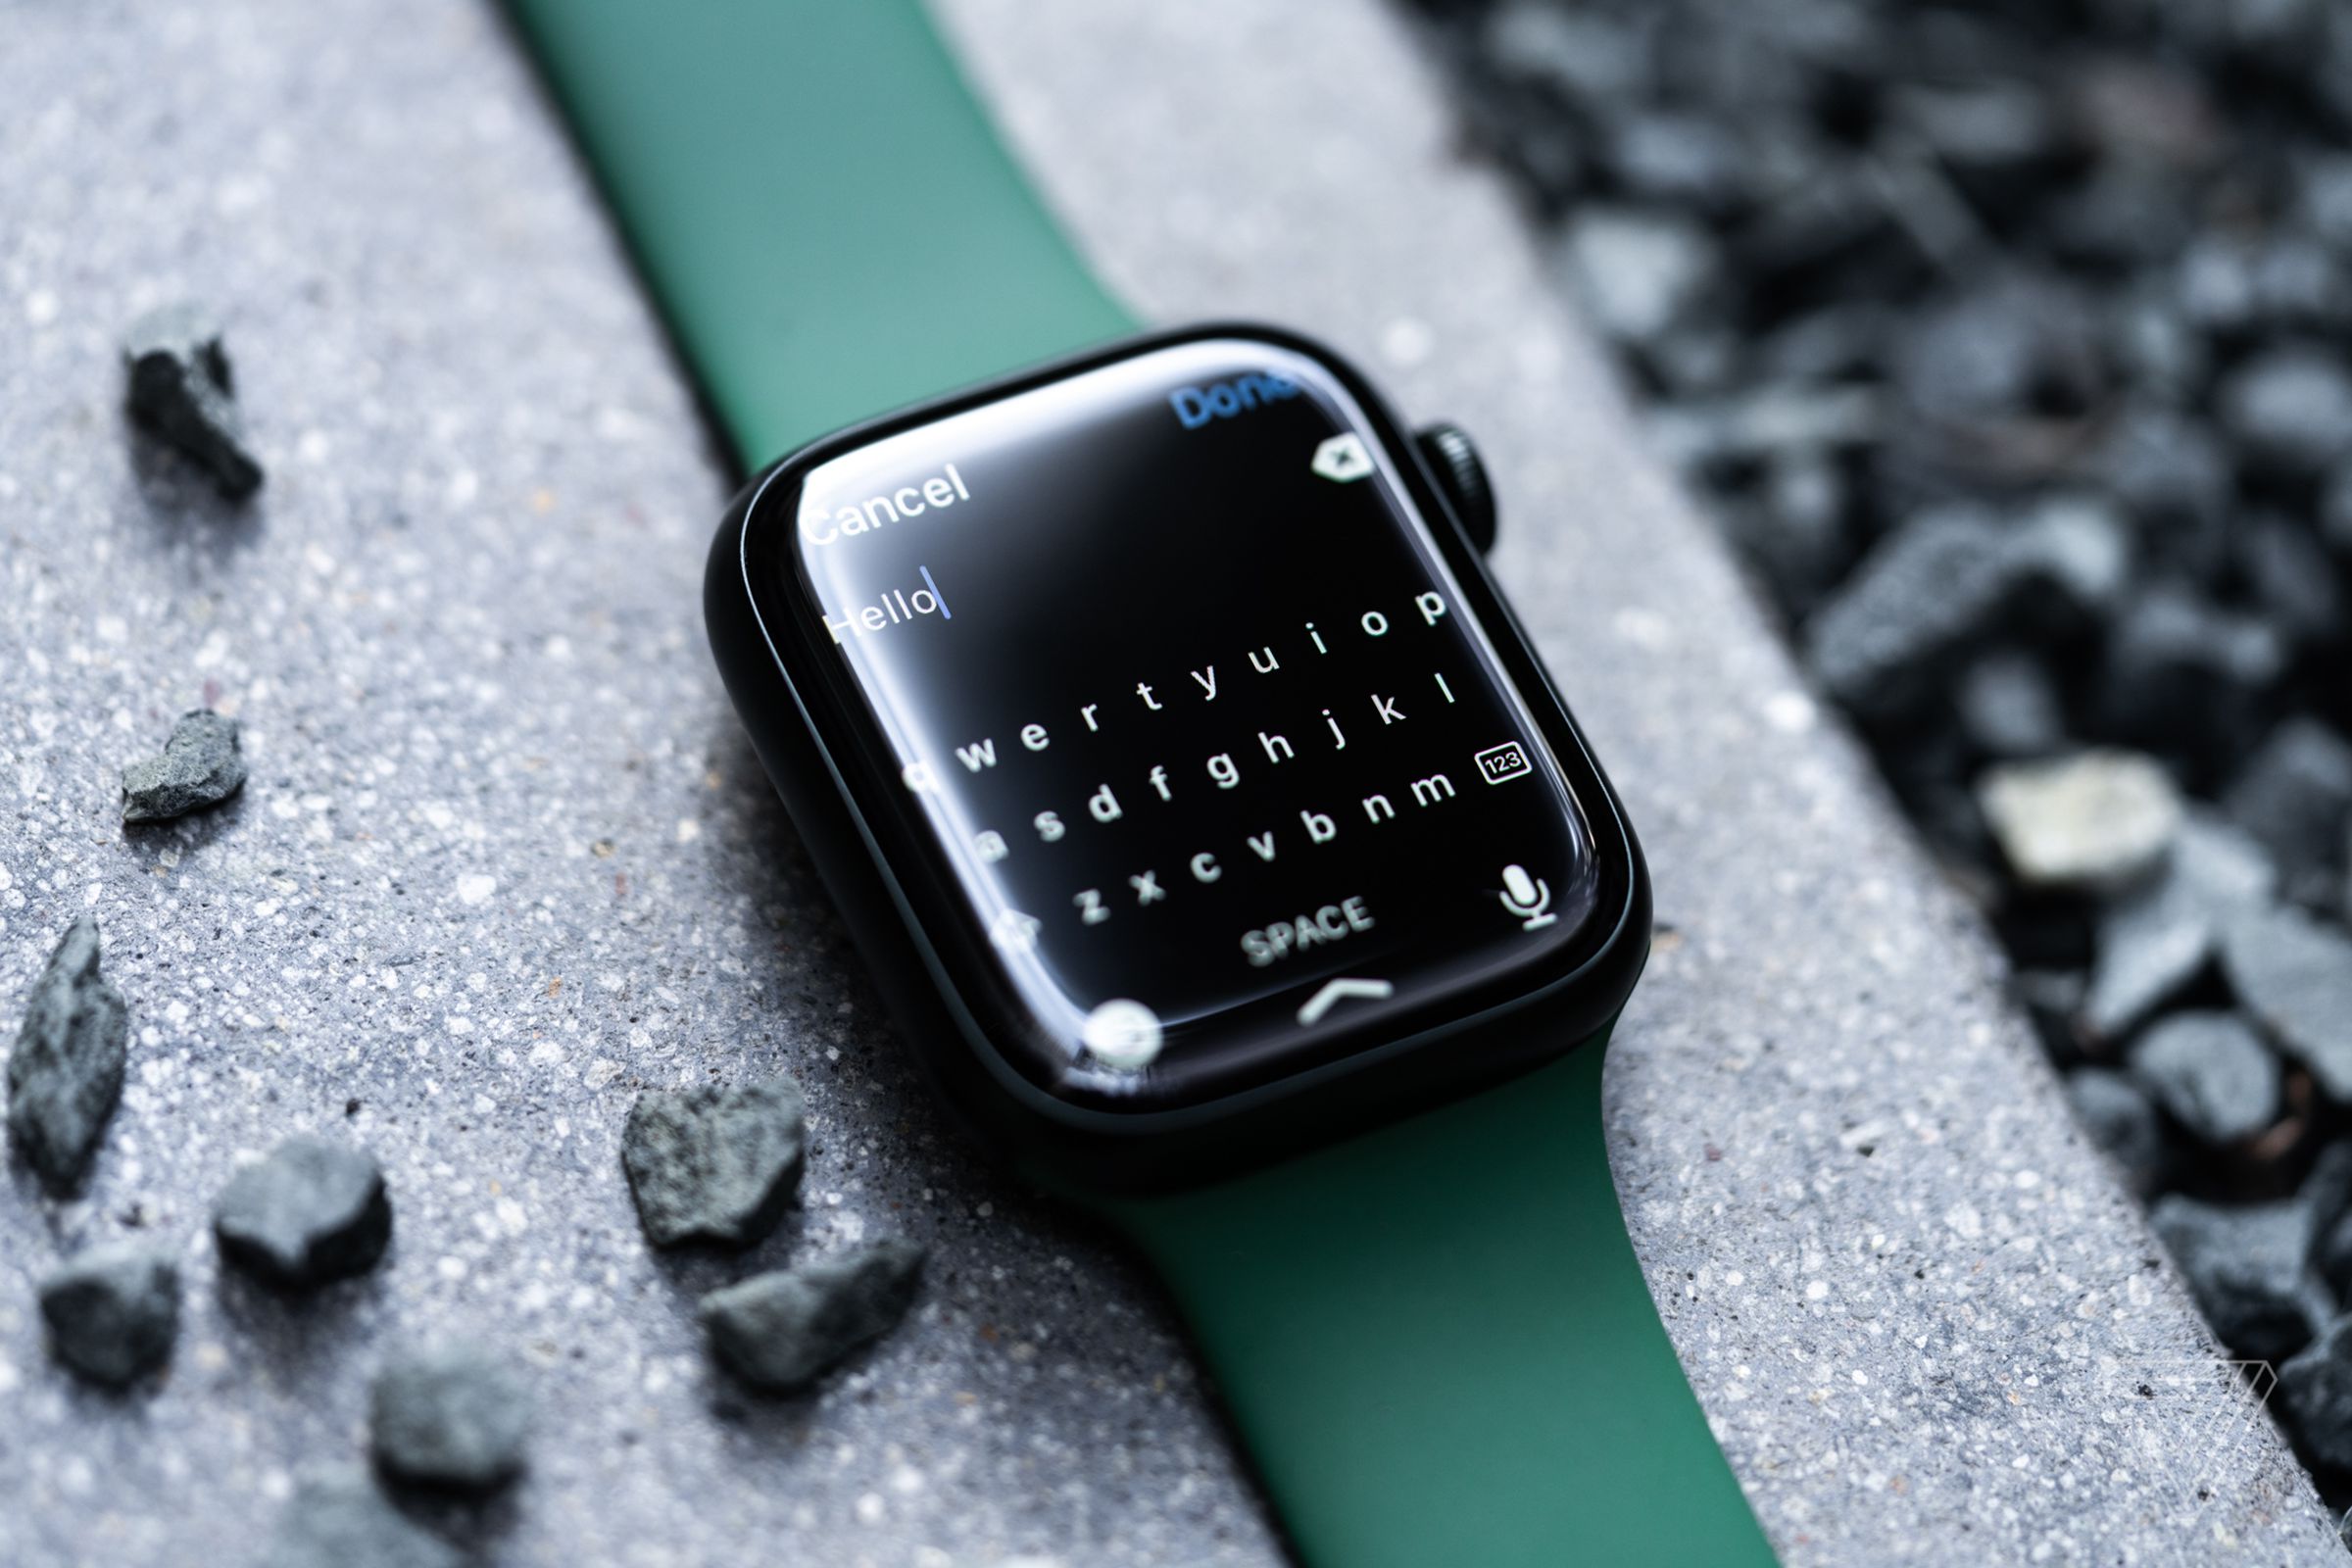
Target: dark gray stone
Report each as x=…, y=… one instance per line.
x=715, y=1163
x=2290, y=410
x=2294, y=796
x=1927, y=593
x=2154, y=941
x=2239, y=288
x=784, y=1330
x=2120, y=1119
x=2294, y=975
x=201, y=766
x=2211, y=1072
x=2325, y=191
x=113, y=1312
x=65, y=1073
x=2159, y=357
x=2292, y=581
x=1638, y=271
x=2186, y=674
x=2095, y=821
x=181, y=390
x=1584, y=57
x=2248, y=1270
x=2126, y=216
x=2335, y=510
x=1676, y=160
x=2076, y=549
x=340, y=1520
x=2017, y=348
x=311, y=1212
x=2008, y=707
x=449, y=1414
x=1766, y=423
x=2314, y=1390
x=2176, y=480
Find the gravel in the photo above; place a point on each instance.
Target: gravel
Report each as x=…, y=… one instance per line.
x=449, y=1413
x=2289, y=411
x=201, y=766
x=181, y=390
x=2083, y=264
x=2315, y=1390
x=2249, y=1269
x=2120, y=1119
x=65, y=1073
x=311, y=1212
x=2091, y=822
x=2296, y=796
x=713, y=1163
x=2294, y=974
x=1940, y=584
x=113, y=1312
x=339, y=1520
x=782, y=1331
x=2211, y=1072
x=2153, y=942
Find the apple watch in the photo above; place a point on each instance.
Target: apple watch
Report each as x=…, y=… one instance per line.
x=1227, y=854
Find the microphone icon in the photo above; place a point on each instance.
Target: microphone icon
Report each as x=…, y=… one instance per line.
x=1527, y=895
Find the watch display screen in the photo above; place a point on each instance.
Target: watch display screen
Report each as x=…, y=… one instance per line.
x=1202, y=767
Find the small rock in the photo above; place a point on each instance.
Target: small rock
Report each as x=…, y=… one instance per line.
x=1587, y=58
x=201, y=765
x=2315, y=1390
x=2125, y=216
x=2094, y=821
x=1676, y=159
x=113, y=1312
x=340, y=1520
x=2155, y=351
x=2183, y=674
x=713, y=1163
x=2290, y=577
x=2120, y=1120
x=2238, y=289
x=311, y=1212
x=2079, y=549
x=2294, y=975
x=2327, y=199
x=2247, y=1269
x=2174, y=480
x=2155, y=940
x=1929, y=591
x=181, y=390
x=2335, y=510
x=2290, y=409
x=65, y=1073
x=2296, y=796
x=449, y=1414
x=2009, y=707
x=784, y=1330
x=1639, y=272
x=2015, y=348
x=2211, y=1072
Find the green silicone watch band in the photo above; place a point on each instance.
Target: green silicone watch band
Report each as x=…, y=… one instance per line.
x=1438, y=1347
x=823, y=213
x=1436, y=1338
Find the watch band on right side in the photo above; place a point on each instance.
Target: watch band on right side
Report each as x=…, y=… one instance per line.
x=1440, y=1348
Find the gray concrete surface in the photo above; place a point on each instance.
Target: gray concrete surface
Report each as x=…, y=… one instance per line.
x=503, y=858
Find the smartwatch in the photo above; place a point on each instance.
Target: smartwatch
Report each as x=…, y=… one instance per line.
x=1225, y=851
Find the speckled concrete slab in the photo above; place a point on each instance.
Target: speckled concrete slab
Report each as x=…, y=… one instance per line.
x=503, y=858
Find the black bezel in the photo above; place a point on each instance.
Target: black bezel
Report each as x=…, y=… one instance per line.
x=884, y=877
